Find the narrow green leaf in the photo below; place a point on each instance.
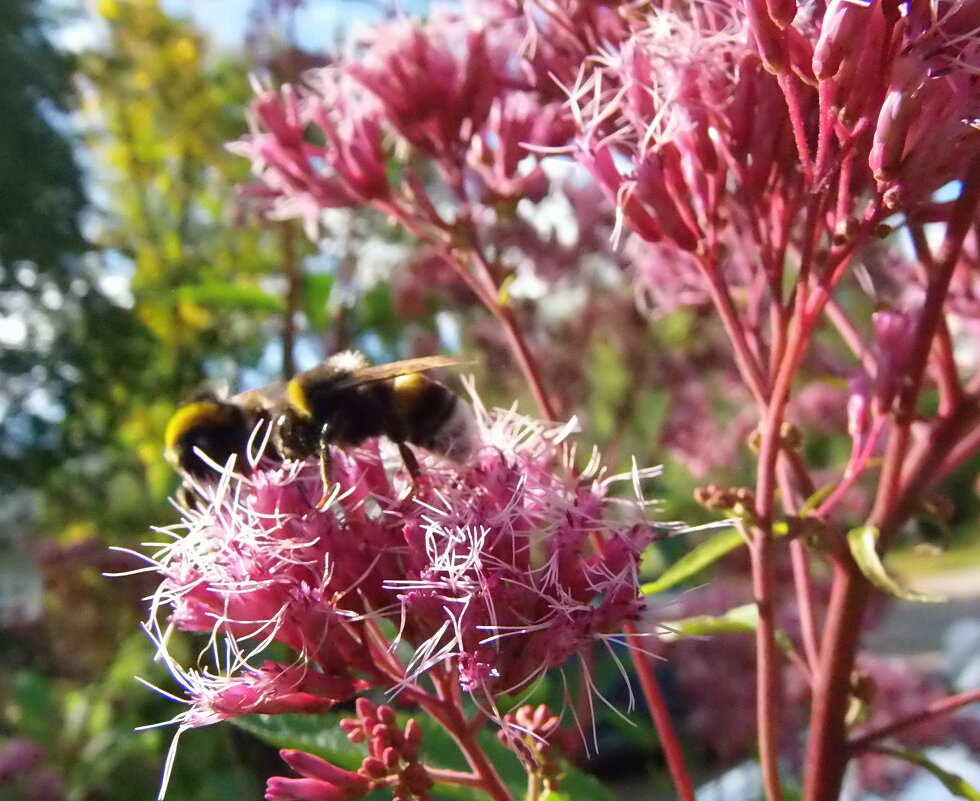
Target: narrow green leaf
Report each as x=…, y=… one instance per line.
x=738, y=619
x=957, y=785
x=694, y=561
x=863, y=542
x=231, y=296
x=816, y=499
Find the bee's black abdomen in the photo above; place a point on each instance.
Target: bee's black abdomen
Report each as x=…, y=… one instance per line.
x=351, y=413
x=427, y=414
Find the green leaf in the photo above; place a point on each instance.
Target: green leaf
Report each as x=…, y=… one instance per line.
x=231, y=296
x=863, y=542
x=694, y=561
x=316, y=734
x=576, y=784
x=738, y=619
x=316, y=289
x=955, y=784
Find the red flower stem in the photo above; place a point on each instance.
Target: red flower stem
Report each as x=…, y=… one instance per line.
x=965, y=447
x=446, y=711
x=934, y=457
x=661, y=717
x=455, y=777
x=946, y=373
x=826, y=756
x=793, y=106
x=803, y=582
x=794, y=481
x=522, y=354
x=840, y=258
x=826, y=92
x=761, y=544
x=937, y=288
x=767, y=701
x=854, y=469
x=747, y=364
x=525, y=360
x=942, y=707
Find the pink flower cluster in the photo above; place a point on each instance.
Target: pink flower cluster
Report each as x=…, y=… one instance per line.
x=500, y=569
x=698, y=124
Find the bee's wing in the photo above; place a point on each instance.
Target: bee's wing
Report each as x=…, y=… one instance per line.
x=382, y=372
x=261, y=399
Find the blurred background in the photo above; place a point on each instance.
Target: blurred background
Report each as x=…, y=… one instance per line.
x=132, y=272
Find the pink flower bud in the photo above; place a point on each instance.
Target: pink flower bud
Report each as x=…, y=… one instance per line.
x=313, y=767
x=858, y=402
x=782, y=12
x=894, y=333
x=390, y=758
x=842, y=33
x=374, y=767
x=279, y=788
x=654, y=175
x=413, y=732
x=769, y=39
x=894, y=121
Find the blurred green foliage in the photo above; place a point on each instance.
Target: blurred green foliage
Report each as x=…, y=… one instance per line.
x=103, y=335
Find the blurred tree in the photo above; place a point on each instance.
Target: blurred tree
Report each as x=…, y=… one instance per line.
x=162, y=108
x=100, y=336
x=47, y=294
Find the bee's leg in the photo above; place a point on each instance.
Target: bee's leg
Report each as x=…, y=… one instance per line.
x=324, y=466
x=411, y=463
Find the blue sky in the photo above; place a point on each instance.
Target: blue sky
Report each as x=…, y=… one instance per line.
x=317, y=21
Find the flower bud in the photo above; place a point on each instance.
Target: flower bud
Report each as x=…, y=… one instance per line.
x=314, y=767
x=374, y=768
x=894, y=332
x=841, y=33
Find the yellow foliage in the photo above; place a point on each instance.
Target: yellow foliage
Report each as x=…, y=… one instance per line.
x=108, y=9
x=194, y=316
x=185, y=50
x=77, y=532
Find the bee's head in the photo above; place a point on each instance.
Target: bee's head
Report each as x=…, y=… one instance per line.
x=217, y=428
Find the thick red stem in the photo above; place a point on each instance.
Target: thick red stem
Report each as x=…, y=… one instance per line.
x=826, y=755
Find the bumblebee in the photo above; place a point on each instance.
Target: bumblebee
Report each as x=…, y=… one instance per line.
x=341, y=402
x=204, y=433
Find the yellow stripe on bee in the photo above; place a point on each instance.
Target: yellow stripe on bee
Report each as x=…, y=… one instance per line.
x=298, y=399
x=185, y=418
